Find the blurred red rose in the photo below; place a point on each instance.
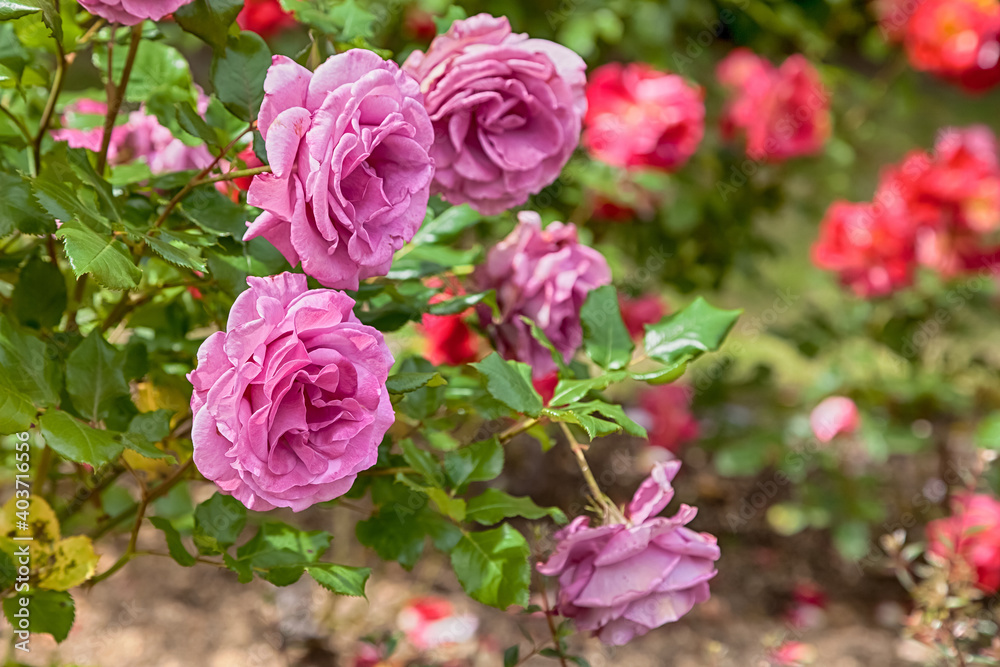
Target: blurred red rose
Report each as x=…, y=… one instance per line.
x=432, y=621
x=640, y=117
x=639, y=311
x=546, y=386
x=264, y=17
x=449, y=339
x=419, y=24
x=783, y=111
x=956, y=39
x=665, y=411
x=971, y=533
x=249, y=158
x=834, y=415
x=893, y=16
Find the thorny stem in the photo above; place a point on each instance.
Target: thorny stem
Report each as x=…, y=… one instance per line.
x=157, y=491
x=200, y=177
x=20, y=125
x=609, y=508
x=50, y=107
x=116, y=94
x=81, y=286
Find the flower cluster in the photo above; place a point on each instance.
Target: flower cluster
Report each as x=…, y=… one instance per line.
x=958, y=40
x=639, y=117
x=140, y=139
x=544, y=275
x=622, y=580
x=506, y=110
x=934, y=210
x=289, y=401
x=971, y=535
x=784, y=112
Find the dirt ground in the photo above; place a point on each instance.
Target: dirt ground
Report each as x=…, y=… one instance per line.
x=156, y=613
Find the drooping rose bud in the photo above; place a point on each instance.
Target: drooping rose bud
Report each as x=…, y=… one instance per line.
x=624, y=579
x=289, y=401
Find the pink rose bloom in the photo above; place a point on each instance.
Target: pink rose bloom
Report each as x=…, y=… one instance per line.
x=665, y=412
x=545, y=275
x=622, y=580
x=870, y=246
x=506, y=111
x=348, y=147
x=130, y=12
x=290, y=400
x=140, y=139
x=833, y=416
x=784, y=112
x=972, y=534
x=792, y=654
x=639, y=117
x=639, y=311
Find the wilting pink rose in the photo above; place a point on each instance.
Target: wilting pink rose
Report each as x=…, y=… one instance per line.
x=665, y=412
x=140, y=139
x=290, y=400
x=429, y=622
x=506, y=111
x=639, y=117
x=783, y=111
x=622, y=580
x=131, y=12
x=348, y=148
x=834, y=415
x=972, y=534
x=639, y=311
x=545, y=275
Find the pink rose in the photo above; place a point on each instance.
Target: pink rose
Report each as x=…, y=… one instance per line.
x=290, y=400
x=639, y=117
x=971, y=534
x=784, y=111
x=348, y=147
x=506, y=111
x=130, y=12
x=430, y=622
x=834, y=415
x=545, y=275
x=622, y=580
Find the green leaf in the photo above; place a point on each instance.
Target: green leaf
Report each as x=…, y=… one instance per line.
x=492, y=566
x=453, y=508
x=51, y=612
x=174, y=251
x=570, y=391
x=423, y=462
x=19, y=210
x=209, y=19
x=156, y=65
x=94, y=376
x=105, y=258
x=63, y=195
x=28, y=366
x=611, y=411
x=447, y=226
x=353, y=20
x=460, y=304
x=213, y=212
x=404, y=383
x=80, y=164
x=15, y=9
x=342, y=579
x=511, y=656
x=493, y=506
x=454, y=13
x=478, y=462
x=217, y=523
x=76, y=441
x=393, y=534
x=510, y=383
x=238, y=73
x=145, y=430
x=279, y=553
x=191, y=121
x=17, y=412
x=698, y=328
x=40, y=296
x=605, y=337
x=988, y=433
x=174, y=545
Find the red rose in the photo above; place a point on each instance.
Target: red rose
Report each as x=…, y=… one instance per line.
x=971, y=533
x=958, y=40
x=264, y=17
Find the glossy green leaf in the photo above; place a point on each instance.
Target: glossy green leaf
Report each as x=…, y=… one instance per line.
x=510, y=383
x=605, y=337
x=76, y=441
x=492, y=566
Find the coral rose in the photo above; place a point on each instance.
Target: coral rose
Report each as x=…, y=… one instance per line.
x=289, y=401
x=545, y=275
x=639, y=117
x=972, y=534
x=958, y=40
x=622, y=580
x=348, y=147
x=506, y=111
x=834, y=415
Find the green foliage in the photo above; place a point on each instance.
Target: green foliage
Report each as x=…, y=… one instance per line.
x=492, y=566
x=217, y=523
x=77, y=441
x=510, y=383
x=106, y=258
x=209, y=19
x=688, y=333
x=605, y=337
x=493, y=505
x=95, y=377
x=50, y=612
x=238, y=72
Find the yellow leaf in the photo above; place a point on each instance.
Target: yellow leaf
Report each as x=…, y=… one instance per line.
x=39, y=521
x=71, y=562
